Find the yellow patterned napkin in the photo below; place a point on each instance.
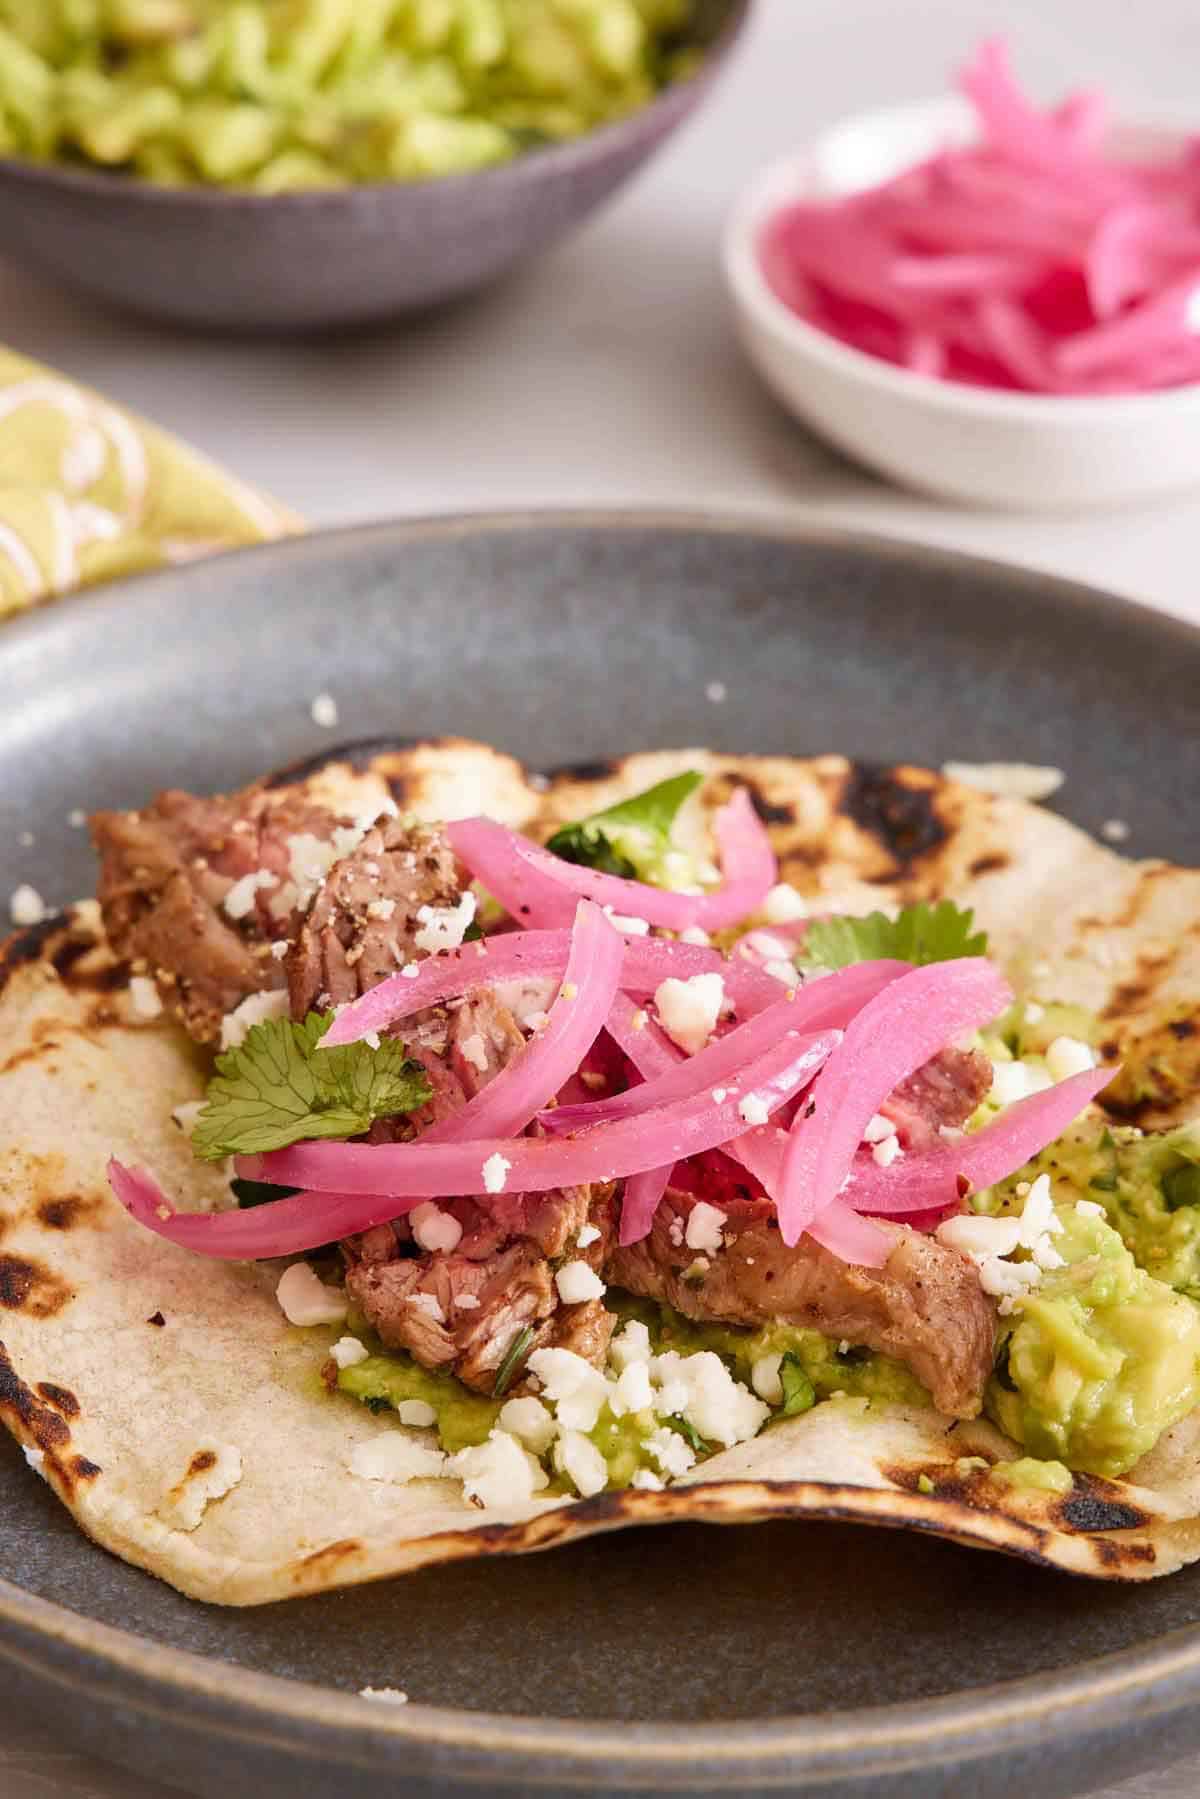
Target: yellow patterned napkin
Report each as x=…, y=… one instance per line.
x=88, y=491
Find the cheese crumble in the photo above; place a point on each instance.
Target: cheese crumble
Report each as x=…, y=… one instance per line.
x=304, y=1299
x=26, y=906
x=688, y=1010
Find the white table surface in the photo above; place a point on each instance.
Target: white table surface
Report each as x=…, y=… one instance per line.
x=607, y=374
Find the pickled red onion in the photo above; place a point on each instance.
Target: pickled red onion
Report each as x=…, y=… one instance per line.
x=640, y=1201
x=345, y=1178
x=648, y=961
x=895, y=1034
x=511, y=1100
x=748, y=866
x=930, y=1180
x=1030, y=259
x=535, y=886
x=829, y=1004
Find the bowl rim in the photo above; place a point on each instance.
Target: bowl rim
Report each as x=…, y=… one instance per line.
x=788, y=176
x=555, y=157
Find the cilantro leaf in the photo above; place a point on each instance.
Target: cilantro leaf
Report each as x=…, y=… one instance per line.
x=920, y=935
x=279, y=1087
x=631, y=838
x=799, y=1394
x=683, y=1427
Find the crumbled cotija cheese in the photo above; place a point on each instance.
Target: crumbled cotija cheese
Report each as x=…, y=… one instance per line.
x=434, y=1229
x=576, y=1281
x=396, y=1458
x=498, y=1473
x=444, y=927
x=239, y=901
x=347, y=1351
x=577, y=1457
x=26, y=905
x=784, y=904
x=143, y=997
x=418, y=1414
x=688, y=1010
x=256, y=1009
x=495, y=1173
x=704, y=1225
x=527, y=1418
x=305, y=1300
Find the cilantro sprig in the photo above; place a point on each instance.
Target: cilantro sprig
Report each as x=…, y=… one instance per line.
x=799, y=1394
x=920, y=934
x=278, y=1087
x=631, y=838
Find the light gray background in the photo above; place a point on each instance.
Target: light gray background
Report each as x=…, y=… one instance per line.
x=607, y=374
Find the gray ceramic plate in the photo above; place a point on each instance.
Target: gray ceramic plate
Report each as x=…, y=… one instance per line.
x=808, y=1658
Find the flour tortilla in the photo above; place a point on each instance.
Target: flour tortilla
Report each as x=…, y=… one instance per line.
x=182, y=1420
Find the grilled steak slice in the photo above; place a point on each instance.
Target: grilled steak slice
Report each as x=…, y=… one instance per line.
x=174, y=894
x=925, y=1306
x=365, y=921
x=462, y=1310
x=943, y=1093
x=499, y=1278
x=208, y=893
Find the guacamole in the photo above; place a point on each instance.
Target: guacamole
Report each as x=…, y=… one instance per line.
x=810, y=1367
x=1148, y=1184
x=274, y=95
x=1101, y=1358
x=859, y=1373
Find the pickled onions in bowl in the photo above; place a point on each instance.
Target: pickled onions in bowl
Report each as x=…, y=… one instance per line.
x=1031, y=259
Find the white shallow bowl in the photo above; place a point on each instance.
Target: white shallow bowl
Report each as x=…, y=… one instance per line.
x=970, y=444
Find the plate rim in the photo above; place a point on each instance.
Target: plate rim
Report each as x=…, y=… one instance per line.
x=1101, y=1696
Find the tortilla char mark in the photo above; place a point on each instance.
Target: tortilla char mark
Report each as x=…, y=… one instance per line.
x=896, y=806
x=29, y=945
x=25, y=1286
x=61, y=1398
x=64, y=1213
x=42, y=1422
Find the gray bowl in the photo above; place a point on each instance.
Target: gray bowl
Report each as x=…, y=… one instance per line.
x=313, y=261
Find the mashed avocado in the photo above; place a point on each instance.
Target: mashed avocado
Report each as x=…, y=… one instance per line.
x=1148, y=1184
x=384, y=1380
x=1029, y=1471
x=859, y=1373
x=1102, y=1357
x=811, y=1368
x=274, y=95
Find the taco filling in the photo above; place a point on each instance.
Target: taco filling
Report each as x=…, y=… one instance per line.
x=595, y=1156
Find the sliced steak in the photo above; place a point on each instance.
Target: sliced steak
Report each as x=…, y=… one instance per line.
x=174, y=894
x=208, y=893
x=943, y=1093
x=925, y=1306
x=496, y=1283
x=365, y=922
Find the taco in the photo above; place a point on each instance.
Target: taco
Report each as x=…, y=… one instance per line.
x=408, y=1157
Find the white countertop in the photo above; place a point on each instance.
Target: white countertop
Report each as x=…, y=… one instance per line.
x=607, y=374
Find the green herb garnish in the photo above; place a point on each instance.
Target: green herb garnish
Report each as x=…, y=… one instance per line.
x=631, y=838
x=279, y=1087
x=683, y=1427
x=1180, y=1188
x=513, y=1357
x=799, y=1394
x=920, y=935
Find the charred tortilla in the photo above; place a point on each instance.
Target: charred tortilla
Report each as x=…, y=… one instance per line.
x=173, y=1409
